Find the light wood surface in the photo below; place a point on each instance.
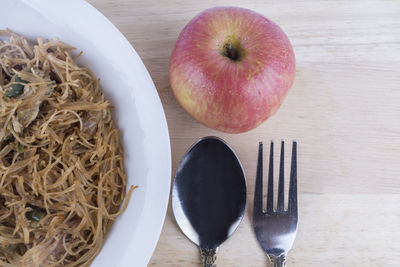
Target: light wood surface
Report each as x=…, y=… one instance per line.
x=344, y=111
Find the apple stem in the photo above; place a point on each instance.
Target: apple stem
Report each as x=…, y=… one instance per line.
x=231, y=52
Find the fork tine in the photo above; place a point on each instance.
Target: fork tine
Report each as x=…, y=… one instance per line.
x=258, y=194
x=270, y=195
x=281, y=196
x=293, y=181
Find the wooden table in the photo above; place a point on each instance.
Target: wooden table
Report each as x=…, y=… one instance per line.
x=344, y=111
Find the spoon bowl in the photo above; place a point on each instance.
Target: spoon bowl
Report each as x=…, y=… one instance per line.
x=209, y=195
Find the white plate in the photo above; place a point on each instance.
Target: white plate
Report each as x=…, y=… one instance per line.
x=138, y=111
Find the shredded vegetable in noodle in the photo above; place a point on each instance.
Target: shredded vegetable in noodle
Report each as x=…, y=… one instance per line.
x=62, y=179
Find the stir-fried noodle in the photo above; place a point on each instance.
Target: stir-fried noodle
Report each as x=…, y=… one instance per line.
x=62, y=179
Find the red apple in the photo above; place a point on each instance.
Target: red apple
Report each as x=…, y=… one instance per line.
x=231, y=68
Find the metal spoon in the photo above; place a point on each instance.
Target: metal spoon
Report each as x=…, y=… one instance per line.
x=209, y=195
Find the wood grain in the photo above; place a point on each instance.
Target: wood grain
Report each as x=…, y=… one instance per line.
x=343, y=110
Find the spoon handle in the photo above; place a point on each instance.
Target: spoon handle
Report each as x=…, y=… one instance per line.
x=277, y=261
x=209, y=257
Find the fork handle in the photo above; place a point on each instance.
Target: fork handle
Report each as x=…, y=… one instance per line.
x=209, y=257
x=277, y=261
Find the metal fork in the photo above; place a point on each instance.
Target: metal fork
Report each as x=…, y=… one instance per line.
x=276, y=229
